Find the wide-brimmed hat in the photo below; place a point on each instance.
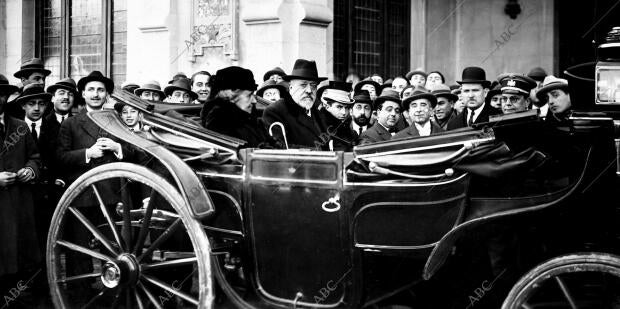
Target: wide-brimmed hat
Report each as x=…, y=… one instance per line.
x=517, y=84
x=414, y=72
x=537, y=74
x=360, y=84
x=444, y=91
x=388, y=94
x=304, y=69
x=32, y=91
x=331, y=95
x=177, y=76
x=344, y=86
x=276, y=70
x=31, y=66
x=67, y=84
x=5, y=87
x=420, y=92
x=183, y=84
x=269, y=84
x=98, y=77
x=129, y=86
x=151, y=85
x=551, y=83
x=362, y=96
x=474, y=75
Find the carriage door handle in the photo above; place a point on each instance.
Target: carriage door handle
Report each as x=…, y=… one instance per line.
x=332, y=204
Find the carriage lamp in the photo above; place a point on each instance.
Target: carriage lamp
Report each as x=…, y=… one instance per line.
x=607, y=70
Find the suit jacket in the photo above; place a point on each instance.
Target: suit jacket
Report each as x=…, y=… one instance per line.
x=47, y=144
x=412, y=131
x=17, y=233
x=461, y=120
x=376, y=133
x=76, y=134
x=302, y=131
x=342, y=136
x=356, y=136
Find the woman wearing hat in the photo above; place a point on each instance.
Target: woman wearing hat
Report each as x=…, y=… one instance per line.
x=272, y=90
x=232, y=111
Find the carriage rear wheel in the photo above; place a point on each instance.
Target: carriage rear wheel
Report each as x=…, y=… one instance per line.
x=583, y=280
x=136, y=246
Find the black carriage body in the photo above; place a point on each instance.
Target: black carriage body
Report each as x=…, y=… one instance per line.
x=310, y=224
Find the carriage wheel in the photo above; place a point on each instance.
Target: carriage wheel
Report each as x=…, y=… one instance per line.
x=140, y=248
x=584, y=280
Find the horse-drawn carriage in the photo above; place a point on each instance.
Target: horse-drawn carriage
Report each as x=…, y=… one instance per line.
x=203, y=222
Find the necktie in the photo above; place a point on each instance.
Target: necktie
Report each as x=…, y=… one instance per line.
x=34, y=131
x=471, y=118
x=62, y=119
x=359, y=133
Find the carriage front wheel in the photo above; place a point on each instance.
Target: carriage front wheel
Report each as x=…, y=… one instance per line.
x=123, y=237
x=582, y=280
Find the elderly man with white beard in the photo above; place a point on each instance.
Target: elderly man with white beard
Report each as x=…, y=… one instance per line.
x=302, y=122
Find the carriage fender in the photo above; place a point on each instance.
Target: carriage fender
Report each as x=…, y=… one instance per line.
x=189, y=184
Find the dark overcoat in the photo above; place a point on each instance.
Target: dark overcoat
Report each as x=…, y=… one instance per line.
x=412, y=131
x=461, y=120
x=302, y=131
x=226, y=118
x=77, y=134
x=376, y=133
x=19, y=249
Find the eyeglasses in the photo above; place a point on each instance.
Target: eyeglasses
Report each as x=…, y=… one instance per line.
x=512, y=99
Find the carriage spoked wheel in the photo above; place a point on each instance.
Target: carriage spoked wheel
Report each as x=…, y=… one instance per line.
x=583, y=280
x=133, y=246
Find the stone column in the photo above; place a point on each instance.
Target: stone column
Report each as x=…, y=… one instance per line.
x=277, y=32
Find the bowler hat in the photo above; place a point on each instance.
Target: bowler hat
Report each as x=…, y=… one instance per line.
x=304, y=69
x=270, y=83
x=5, y=87
x=151, y=85
x=234, y=77
x=517, y=84
x=388, y=94
x=474, y=75
x=420, y=92
x=551, y=83
x=32, y=91
x=31, y=66
x=276, y=70
x=537, y=74
x=95, y=76
x=362, y=96
x=359, y=86
x=414, y=72
x=67, y=84
x=443, y=90
x=182, y=84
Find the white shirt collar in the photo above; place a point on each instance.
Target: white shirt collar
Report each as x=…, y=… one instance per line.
x=425, y=129
x=356, y=127
x=37, y=123
x=392, y=133
x=59, y=117
x=476, y=114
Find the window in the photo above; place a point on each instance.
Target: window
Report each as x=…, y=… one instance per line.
x=93, y=34
x=371, y=36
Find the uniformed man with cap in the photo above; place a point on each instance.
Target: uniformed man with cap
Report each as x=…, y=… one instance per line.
x=515, y=92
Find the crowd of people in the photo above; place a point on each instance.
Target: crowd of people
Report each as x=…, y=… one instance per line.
x=47, y=140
